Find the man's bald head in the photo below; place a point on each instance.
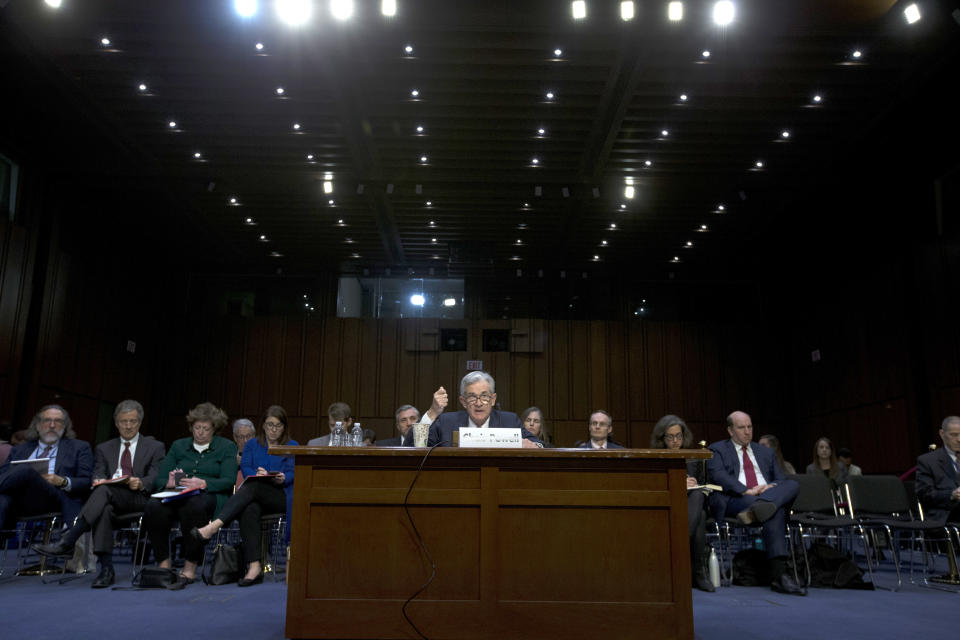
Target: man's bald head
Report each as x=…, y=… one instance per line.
x=740, y=428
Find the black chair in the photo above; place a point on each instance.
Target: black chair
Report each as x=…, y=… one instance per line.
x=882, y=502
x=26, y=532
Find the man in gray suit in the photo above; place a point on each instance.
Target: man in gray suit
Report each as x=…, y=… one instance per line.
x=938, y=475
x=337, y=412
x=125, y=469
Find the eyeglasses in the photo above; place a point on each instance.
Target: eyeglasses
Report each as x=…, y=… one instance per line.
x=273, y=425
x=202, y=429
x=128, y=423
x=52, y=421
x=483, y=398
x=673, y=436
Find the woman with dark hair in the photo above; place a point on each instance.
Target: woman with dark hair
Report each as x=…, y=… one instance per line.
x=272, y=494
x=671, y=432
x=205, y=462
x=825, y=462
x=773, y=442
x=532, y=420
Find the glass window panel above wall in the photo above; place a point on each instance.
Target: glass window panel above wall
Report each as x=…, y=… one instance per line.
x=400, y=298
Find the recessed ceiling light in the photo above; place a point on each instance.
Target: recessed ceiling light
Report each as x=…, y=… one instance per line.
x=550, y=95
x=705, y=53
x=328, y=186
x=433, y=239
x=626, y=10
x=449, y=302
x=277, y=254
x=246, y=8
x=341, y=9
x=348, y=240
x=647, y=163
x=340, y=221
x=683, y=97
x=911, y=13
x=703, y=227
x=309, y=156
x=415, y=93
x=142, y=87
x=429, y=203
x=417, y=300
x=419, y=128
x=675, y=259
x=172, y=124
x=296, y=126
x=613, y=225
x=330, y=202
x=526, y=205
x=721, y=207
x=294, y=12
x=356, y=255
x=423, y=159
x=408, y=49
x=263, y=238
x=258, y=46
x=280, y=91
x=53, y=4
x=675, y=11
x=723, y=12
x=758, y=164
x=818, y=98
x=664, y=133
x=519, y=241
x=535, y=161
x=596, y=258
x=105, y=42
x=857, y=54
x=541, y=131
x=689, y=244
x=248, y=221
x=388, y=8
x=579, y=9
x=603, y=243
x=623, y=206
x=431, y=224
x=558, y=52
x=233, y=201
x=784, y=134
x=628, y=192
x=197, y=155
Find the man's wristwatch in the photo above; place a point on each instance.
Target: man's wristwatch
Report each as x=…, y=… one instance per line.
x=63, y=482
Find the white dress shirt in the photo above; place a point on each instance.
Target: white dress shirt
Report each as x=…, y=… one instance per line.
x=133, y=452
x=756, y=468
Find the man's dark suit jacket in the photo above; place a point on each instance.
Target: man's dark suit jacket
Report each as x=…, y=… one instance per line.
x=441, y=431
x=146, y=463
x=74, y=461
x=610, y=445
x=396, y=442
x=936, y=480
x=724, y=470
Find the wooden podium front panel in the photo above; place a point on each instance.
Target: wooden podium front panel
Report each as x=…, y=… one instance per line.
x=527, y=544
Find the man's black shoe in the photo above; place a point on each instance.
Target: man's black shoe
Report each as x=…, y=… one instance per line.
x=784, y=583
x=104, y=579
x=54, y=549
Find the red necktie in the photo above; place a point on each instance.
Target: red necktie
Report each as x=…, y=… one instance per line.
x=126, y=460
x=46, y=452
x=748, y=471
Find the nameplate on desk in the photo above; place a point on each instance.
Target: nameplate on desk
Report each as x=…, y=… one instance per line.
x=474, y=437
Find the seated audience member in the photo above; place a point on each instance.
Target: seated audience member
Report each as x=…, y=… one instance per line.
x=18, y=437
x=6, y=430
x=66, y=481
x=671, y=432
x=408, y=415
x=337, y=412
x=202, y=461
x=477, y=397
x=243, y=430
x=825, y=462
x=601, y=427
x=533, y=421
x=369, y=438
x=938, y=475
x=845, y=456
x=773, y=442
x=757, y=492
x=255, y=498
x=135, y=458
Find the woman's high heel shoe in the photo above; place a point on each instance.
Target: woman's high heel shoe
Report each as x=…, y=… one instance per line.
x=247, y=582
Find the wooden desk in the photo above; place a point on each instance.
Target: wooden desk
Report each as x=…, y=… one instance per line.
x=528, y=543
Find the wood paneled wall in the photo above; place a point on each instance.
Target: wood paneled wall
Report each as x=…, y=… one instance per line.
x=636, y=370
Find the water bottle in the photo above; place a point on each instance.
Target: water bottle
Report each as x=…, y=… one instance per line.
x=356, y=435
x=758, y=543
x=336, y=437
x=714, y=564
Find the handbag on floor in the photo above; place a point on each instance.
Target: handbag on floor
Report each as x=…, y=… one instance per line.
x=226, y=566
x=153, y=578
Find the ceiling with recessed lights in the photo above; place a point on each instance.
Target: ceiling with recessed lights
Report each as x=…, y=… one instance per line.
x=466, y=137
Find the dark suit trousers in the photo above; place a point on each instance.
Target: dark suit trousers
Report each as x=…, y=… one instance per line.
x=159, y=518
x=774, y=529
x=105, y=502
x=248, y=504
x=24, y=492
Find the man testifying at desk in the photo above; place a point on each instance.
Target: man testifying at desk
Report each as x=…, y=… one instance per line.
x=938, y=475
x=601, y=426
x=407, y=416
x=135, y=459
x=24, y=492
x=757, y=492
x=477, y=397
x=337, y=412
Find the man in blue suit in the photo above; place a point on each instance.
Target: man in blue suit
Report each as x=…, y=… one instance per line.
x=756, y=491
x=600, y=426
x=477, y=396
x=66, y=481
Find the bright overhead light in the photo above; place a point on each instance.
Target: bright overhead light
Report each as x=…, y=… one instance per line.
x=613, y=225
x=664, y=133
x=579, y=8
x=723, y=13
x=417, y=300
x=784, y=134
x=249, y=221
x=706, y=53
x=911, y=13
x=675, y=11
x=414, y=93
x=419, y=128
x=628, y=192
x=595, y=258
x=550, y=95
x=758, y=164
x=818, y=98
x=246, y=8
x=142, y=87
x=683, y=97
x=341, y=9
x=327, y=186
x=449, y=302
x=626, y=10
x=703, y=227
x=423, y=159
x=557, y=52
x=53, y=4
x=258, y=46
x=197, y=155
x=296, y=126
x=388, y=8
x=647, y=163
x=541, y=131
x=263, y=239
x=535, y=161
x=309, y=156
x=172, y=124
x=105, y=42
x=233, y=201
x=429, y=203
x=280, y=91
x=603, y=243
x=857, y=54
x=433, y=239
x=721, y=207
x=408, y=49
x=689, y=244
x=294, y=12
x=623, y=206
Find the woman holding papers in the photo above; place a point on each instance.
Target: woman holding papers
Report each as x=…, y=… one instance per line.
x=201, y=471
x=267, y=488
x=671, y=432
